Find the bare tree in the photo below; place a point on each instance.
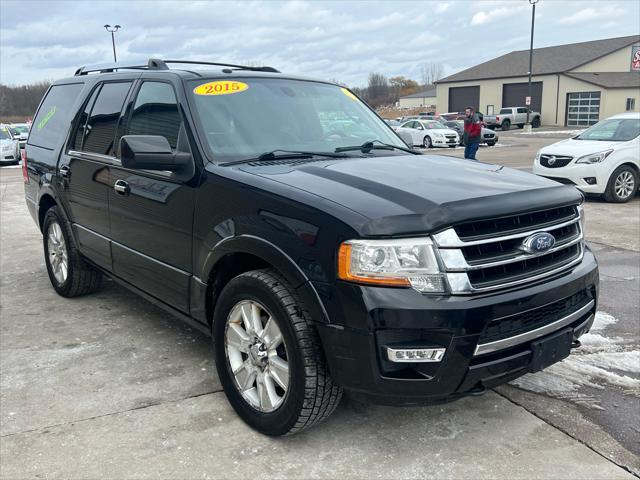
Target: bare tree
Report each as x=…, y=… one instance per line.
x=431, y=72
x=377, y=89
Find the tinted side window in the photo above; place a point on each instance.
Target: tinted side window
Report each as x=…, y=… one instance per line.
x=100, y=131
x=522, y=110
x=505, y=111
x=53, y=119
x=155, y=112
x=78, y=136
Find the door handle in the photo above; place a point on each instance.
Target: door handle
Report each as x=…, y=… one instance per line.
x=121, y=187
x=65, y=171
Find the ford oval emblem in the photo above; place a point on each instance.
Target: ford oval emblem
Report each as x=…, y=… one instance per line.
x=538, y=242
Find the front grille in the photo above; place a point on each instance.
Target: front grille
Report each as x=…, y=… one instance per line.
x=450, y=137
x=533, y=319
x=554, y=161
x=487, y=255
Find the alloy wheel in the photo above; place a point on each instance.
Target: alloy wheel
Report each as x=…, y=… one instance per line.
x=624, y=184
x=57, y=250
x=257, y=355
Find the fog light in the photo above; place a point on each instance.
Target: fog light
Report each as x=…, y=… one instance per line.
x=415, y=355
x=590, y=180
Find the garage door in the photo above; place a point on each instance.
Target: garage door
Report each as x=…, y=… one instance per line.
x=461, y=97
x=583, y=109
x=515, y=95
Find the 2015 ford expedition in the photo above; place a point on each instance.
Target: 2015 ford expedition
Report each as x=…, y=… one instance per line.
x=283, y=217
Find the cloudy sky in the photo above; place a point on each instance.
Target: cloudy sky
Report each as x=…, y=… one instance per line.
x=339, y=40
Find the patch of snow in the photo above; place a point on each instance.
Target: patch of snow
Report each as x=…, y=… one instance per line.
x=595, y=365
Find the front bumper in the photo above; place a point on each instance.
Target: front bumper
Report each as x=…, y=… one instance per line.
x=575, y=174
x=370, y=319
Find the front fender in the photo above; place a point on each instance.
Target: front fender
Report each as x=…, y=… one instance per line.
x=278, y=259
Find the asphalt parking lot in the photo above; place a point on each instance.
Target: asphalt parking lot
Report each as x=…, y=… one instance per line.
x=110, y=386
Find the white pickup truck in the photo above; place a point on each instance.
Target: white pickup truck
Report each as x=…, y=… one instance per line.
x=512, y=116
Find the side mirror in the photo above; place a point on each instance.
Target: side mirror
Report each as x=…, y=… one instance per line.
x=150, y=152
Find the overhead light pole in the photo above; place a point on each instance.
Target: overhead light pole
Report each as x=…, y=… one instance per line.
x=113, y=30
x=533, y=22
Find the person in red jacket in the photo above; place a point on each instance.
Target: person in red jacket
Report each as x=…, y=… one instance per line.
x=472, y=133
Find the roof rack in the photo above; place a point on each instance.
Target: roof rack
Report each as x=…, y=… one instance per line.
x=158, y=64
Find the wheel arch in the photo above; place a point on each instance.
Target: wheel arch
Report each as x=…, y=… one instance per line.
x=44, y=204
x=239, y=254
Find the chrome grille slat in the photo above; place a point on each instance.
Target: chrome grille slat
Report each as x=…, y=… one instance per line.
x=498, y=262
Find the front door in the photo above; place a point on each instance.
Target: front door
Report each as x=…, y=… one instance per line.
x=151, y=212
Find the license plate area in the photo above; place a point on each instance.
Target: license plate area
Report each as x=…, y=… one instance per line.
x=552, y=349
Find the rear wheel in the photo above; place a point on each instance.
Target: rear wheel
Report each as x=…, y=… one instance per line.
x=69, y=274
x=426, y=143
x=506, y=125
x=268, y=356
x=622, y=185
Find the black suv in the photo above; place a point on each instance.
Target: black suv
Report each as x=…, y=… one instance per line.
x=283, y=217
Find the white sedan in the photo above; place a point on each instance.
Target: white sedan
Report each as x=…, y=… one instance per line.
x=9, y=147
x=604, y=159
x=428, y=133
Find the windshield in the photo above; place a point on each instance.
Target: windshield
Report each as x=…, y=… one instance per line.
x=245, y=119
x=432, y=125
x=4, y=135
x=18, y=129
x=614, y=130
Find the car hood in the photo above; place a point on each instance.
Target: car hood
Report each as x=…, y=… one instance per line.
x=421, y=193
x=578, y=148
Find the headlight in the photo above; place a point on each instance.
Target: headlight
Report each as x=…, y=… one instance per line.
x=400, y=263
x=595, y=157
x=582, y=219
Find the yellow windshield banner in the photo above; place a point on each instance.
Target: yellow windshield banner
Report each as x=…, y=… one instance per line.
x=221, y=87
x=349, y=94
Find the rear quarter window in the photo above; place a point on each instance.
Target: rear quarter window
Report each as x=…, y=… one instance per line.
x=53, y=119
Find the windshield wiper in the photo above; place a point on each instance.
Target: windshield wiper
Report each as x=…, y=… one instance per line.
x=366, y=147
x=284, y=155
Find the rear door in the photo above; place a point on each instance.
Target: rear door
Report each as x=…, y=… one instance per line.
x=84, y=169
x=151, y=221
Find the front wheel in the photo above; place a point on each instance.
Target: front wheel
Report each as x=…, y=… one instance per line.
x=268, y=356
x=426, y=143
x=622, y=185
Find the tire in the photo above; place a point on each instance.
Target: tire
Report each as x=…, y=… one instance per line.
x=506, y=125
x=622, y=185
x=426, y=142
x=308, y=395
x=490, y=144
x=73, y=277
x=535, y=123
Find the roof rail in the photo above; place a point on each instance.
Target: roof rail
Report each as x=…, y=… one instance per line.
x=152, y=64
x=231, y=65
x=158, y=64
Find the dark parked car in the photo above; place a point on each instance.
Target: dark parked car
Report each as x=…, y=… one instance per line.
x=283, y=217
x=489, y=137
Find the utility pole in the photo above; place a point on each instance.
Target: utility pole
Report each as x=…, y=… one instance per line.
x=113, y=30
x=533, y=20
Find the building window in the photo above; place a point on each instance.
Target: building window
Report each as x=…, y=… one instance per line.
x=583, y=109
x=631, y=104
